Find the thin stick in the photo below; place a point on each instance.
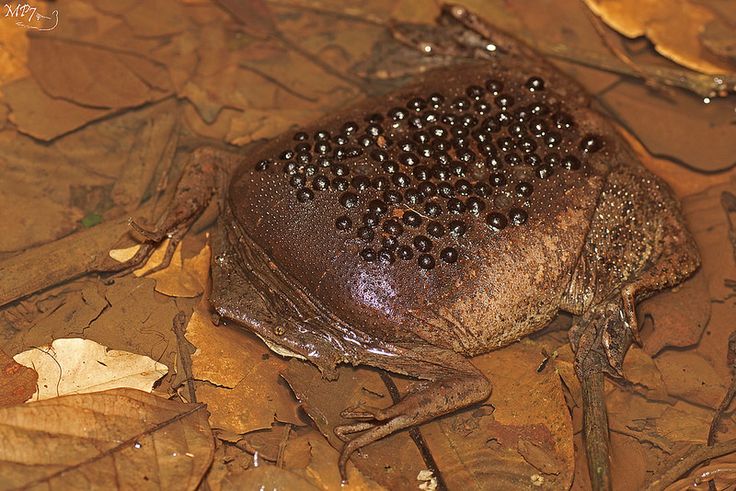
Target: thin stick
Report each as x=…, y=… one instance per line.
x=692, y=458
x=595, y=422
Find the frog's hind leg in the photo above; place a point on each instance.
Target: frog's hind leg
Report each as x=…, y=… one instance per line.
x=449, y=382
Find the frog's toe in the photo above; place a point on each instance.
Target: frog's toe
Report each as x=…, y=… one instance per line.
x=345, y=432
x=363, y=413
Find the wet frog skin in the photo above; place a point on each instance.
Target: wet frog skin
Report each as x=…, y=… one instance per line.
x=451, y=217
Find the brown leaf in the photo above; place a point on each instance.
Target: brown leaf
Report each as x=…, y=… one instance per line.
x=254, y=15
x=88, y=75
x=71, y=441
x=673, y=26
x=324, y=400
x=239, y=375
x=31, y=108
x=17, y=383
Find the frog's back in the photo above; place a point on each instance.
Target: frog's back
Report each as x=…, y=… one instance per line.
x=453, y=210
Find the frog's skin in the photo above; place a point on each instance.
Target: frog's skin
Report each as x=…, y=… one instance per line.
x=594, y=241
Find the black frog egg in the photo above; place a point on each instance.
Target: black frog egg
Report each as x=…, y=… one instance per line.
x=527, y=145
x=393, y=227
x=287, y=155
x=449, y=255
x=532, y=159
x=475, y=92
x=371, y=220
x=392, y=196
x=426, y=261
x=421, y=172
x=374, y=129
x=416, y=104
x=445, y=190
x=300, y=136
x=411, y=219
x=571, y=162
x=360, y=183
x=433, y=209
x=322, y=148
x=454, y=205
x=552, y=139
x=303, y=195
x=538, y=127
x=494, y=86
x=368, y=254
x=340, y=184
x=378, y=207
x=408, y=158
x=400, y=180
x=349, y=200
x=563, y=121
x=427, y=189
x=303, y=147
x=390, y=242
x=350, y=127
x=322, y=135
x=506, y=143
x=435, y=229
x=483, y=189
x=397, y=114
x=591, y=143
x=422, y=243
x=518, y=216
x=390, y=167
x=457, y=228
x=404, y=252
x=320, y=183
x=374, y=118
x=379, y=155
x=463, y=187
x=475, y=205
x=298, y=180
x=436, y=100
x=504, y=101
x=340, y=170
x=386, y=256
x=496, y=221
x=340, y=140
x=460, y=104
x=366, y=233
x=534, y=84
x=262, y=165
x=524, y=189
x=413, y=196
x=343, y=223
x=512, y=158
x=381, y=183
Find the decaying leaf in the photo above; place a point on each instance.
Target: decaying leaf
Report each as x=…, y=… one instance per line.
x=239, y=377
x=673, y=26
x=17, y=382
x=521, y=436
x=72, y=441
x=77, y=366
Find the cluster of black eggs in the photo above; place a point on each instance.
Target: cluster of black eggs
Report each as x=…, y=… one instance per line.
x=423, y=155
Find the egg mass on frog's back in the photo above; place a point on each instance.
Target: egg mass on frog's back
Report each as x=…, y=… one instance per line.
x=442, y=189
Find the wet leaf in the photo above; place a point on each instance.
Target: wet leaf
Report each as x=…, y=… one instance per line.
x=17, y=382
x=69, y=441
x=88, y=75
x=673, y=26
x=239, y=377
x=78, y=366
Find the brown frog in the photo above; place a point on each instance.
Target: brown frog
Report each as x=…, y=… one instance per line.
x=444, y=220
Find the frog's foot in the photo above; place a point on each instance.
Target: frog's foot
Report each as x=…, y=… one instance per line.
x=452, y=382
x=193, y=193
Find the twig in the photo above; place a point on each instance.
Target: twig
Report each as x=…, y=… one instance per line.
x=416, y=435
x=182, y=344
x=688, y=460
x=709, y=473
x=595, y=421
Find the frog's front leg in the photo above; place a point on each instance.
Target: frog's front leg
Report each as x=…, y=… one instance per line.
x=201, y=179
x=448, y=382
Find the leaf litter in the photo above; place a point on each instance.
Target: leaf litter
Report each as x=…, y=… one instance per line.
x=113, y=147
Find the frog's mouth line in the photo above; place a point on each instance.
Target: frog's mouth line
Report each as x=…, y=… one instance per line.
x=288, y=320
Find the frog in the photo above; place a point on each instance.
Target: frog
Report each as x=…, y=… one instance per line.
x=448, y=218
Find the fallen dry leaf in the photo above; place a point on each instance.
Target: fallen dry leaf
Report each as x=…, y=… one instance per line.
x=72, y=441
x=238, y=375
x=17, y=382
x=182, y=278
x=674, y=26
x=77, y=366
x=520, y=436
